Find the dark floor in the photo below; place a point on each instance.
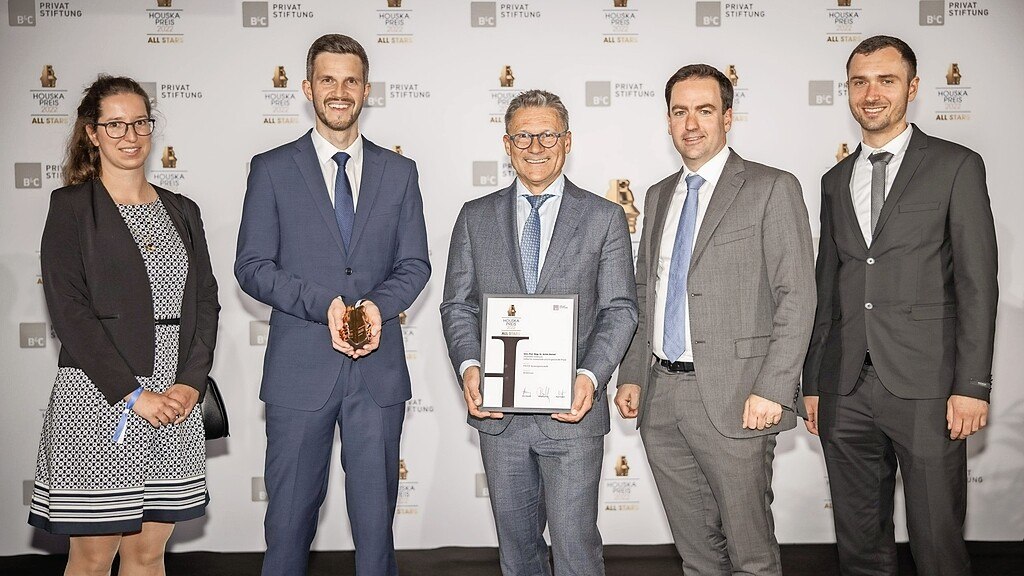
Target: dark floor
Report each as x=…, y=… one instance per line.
x=989, y=559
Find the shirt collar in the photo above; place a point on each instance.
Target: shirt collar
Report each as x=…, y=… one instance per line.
x=895, y=146
x=555, y=188
x=711, y=171
x=325, y=151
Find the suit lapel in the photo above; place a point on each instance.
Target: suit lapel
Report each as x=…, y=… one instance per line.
x=845, y=198
x=721, y=198
x=309, y=167
x=369, y=187
x=911, y=160
x=505, y=215
x=568, y=220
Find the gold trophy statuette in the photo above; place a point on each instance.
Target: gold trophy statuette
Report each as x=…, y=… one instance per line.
x=355, y=327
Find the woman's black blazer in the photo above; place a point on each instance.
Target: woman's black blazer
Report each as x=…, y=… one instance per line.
x=99, y=297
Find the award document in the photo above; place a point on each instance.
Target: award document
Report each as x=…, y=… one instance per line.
x=528, y=352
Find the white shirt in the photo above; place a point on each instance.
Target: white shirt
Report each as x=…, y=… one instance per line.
x=711, y=171
x=860, y=181
x=325, y=152
x=548, y=213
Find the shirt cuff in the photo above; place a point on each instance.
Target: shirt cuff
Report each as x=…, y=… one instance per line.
x=588, y=374
x=465, y=366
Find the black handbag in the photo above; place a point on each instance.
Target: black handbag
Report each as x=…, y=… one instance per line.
x=215, y=414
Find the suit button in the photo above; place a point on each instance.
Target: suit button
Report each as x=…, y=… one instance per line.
x=348, y=271
x=869, y=306
x=870, y=261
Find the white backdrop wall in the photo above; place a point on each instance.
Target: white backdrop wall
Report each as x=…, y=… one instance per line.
x=436, y=93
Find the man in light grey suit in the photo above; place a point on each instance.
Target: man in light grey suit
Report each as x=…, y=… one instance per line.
x=726, y=289
x=543, y=468
x=899, y=369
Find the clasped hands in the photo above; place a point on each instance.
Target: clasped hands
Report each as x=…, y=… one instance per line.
x=171, y=407
x=336, y=319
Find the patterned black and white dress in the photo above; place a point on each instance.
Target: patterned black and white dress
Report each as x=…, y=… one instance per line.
x=85, y=482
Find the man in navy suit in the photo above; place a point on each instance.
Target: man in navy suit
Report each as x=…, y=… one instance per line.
x=332, y=220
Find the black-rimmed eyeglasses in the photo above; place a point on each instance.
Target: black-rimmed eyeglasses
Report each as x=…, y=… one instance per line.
x=524, y=140
x=119, y=129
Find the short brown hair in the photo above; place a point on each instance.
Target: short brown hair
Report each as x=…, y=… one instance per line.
x=701, y=71
x=336, y=44
x=876, y=43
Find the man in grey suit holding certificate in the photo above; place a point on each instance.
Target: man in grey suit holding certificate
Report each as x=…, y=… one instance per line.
x=543, y=235
x=725, y=281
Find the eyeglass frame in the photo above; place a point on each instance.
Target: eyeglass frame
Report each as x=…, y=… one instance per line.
x=558, y=136
x=134, y=126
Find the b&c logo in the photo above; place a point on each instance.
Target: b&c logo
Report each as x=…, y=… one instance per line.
x=21, y=13
x=259, y=332
x=32, y=334
x=378, y=97
x=485, y=174
x=483, y=14
x=598, y=93
x=28, y=175
x=932, y=13
x=709, y=14
x=255, y=14
x=821, y=92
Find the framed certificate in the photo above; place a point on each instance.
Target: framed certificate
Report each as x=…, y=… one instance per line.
x=528, y=352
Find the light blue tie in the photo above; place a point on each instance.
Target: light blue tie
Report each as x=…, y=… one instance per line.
x=344, y=206
x=529, y=245
x=675, y=304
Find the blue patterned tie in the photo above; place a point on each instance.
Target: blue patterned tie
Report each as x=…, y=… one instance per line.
x=529, y=246
x=344, y=207
x=675, y=304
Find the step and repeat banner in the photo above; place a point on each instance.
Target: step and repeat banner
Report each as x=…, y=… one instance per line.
x=225, y=79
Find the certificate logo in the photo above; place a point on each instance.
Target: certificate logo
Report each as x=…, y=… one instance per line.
x=619, y=192
x=164, y=21
x=50, y=100
x=843, y=23
x=953, y=98
x=279, y=102
x=32, y=334
x=620, y=24
x=394, y=24
x=511, y=310
x=170, y=176
x=843, y=152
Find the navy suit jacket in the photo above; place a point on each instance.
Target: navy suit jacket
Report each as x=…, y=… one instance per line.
x=291, y=257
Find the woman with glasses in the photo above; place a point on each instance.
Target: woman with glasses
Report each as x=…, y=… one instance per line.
x=133, y=300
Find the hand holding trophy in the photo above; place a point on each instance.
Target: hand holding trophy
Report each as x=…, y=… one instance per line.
x=356, y=328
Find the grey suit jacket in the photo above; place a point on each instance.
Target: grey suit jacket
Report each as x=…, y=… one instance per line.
x=590, y=255
x=751, y=293
x=929, y=275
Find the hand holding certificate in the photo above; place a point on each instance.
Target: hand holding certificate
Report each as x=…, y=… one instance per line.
x=528, y=361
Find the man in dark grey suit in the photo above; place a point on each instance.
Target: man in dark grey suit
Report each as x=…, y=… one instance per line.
x=900, y=361
x=543, y=235
x=726, y=288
